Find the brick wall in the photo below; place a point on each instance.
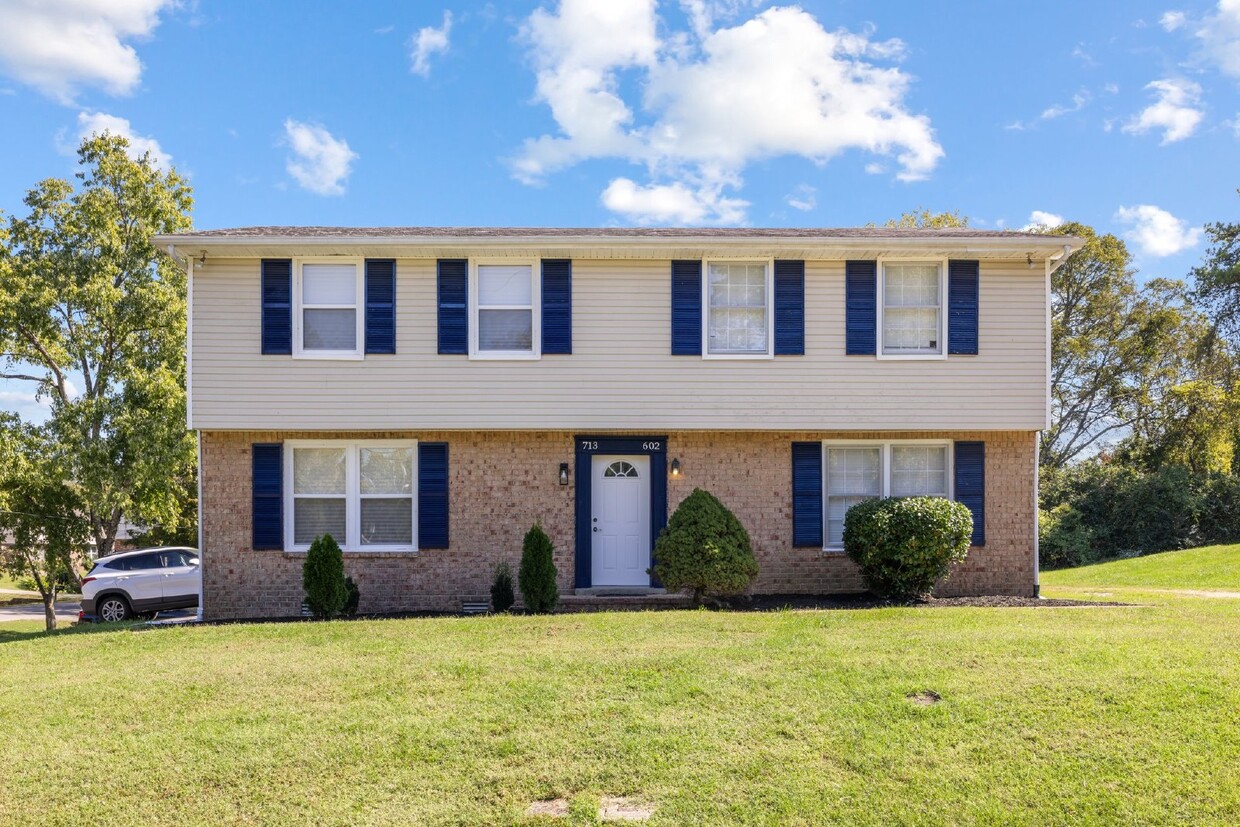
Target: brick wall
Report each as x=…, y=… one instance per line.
x=501, y=482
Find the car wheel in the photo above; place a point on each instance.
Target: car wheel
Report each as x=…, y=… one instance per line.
x=114, y=608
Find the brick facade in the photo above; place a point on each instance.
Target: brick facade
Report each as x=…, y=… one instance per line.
x=501, y=482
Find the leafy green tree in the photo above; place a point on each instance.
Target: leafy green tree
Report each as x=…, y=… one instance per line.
x=923, y=219
x=41, y=512
x=1218, y=279
x=86, y=299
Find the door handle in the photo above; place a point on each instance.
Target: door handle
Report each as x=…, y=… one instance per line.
x=596, y=528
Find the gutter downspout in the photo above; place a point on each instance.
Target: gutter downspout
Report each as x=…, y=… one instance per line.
x=1053, y=263
x=189, y=352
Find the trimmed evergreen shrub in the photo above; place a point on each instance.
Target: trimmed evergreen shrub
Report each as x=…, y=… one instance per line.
x=704, y=548
x=502, y=596
x=536, y=575
x=905, y=545
x=353, y=596
x=322, y=575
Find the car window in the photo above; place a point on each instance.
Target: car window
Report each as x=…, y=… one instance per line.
x=115, y=565
x=144, y=561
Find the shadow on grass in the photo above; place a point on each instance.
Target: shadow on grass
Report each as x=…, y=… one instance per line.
x=10, y=635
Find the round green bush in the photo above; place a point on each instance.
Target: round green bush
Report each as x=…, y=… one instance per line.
x=536, y=575
x=905, y=545
x=322, y=575
x=704, y=548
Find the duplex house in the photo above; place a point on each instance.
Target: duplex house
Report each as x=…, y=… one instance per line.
x=426, y=394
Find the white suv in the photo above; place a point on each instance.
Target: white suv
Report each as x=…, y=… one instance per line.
x=121, y=586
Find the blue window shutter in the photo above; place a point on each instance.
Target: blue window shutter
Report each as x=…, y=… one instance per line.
x=807, y=494
x=557, y=306
x=453, y=305
x=789, y=308
x=971, y=485
x=962, y=278
x=686, y=308
x=860, y=307
x=380, y=305
x=267, y=495
x=432, y=495
x=277, y=299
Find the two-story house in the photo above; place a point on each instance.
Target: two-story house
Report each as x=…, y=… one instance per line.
x=426, y=394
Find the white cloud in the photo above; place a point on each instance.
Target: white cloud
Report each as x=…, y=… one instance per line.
x=1079, y=101
x=804, y=198
x=673, y=203
x=320, y=162
x=1172, y=20
x=427, y=42
x=1155, y=231
x=60, y=46
x=98, y=123
x=1175, y=112
x=1040, y=219
x=713, y=100
x=1219, y=34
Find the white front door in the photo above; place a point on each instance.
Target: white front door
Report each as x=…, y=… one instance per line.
x=620, y=521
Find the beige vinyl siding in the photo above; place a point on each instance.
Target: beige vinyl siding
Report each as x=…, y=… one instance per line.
x=621, y=374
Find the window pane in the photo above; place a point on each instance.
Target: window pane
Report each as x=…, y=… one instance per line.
x=387, y=522
x=318, y=470
x=918, y=471
x=329, y=284
x=387, y=470
x=737, y=322
x=315, y=517
x=505, y=330
x=911, y=329
x=504, y=284
x=911, y=285
x=329, y=330
x=853, y=475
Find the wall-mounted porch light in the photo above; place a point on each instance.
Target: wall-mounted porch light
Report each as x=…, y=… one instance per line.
x=563, y=473
x=676, y=467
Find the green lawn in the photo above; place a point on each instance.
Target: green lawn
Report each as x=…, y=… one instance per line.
x=1048, y=716
x=1210, y=567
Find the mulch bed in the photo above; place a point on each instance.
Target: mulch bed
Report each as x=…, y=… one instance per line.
x=775, y=602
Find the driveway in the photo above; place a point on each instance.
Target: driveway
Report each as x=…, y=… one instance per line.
x=66, y=611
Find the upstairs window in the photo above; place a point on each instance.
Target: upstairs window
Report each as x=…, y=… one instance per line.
x=911, y=320
x=328, y=321
x=505, y=304
x=738, y=301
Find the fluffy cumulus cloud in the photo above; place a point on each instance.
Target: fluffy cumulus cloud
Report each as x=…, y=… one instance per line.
x=99, y=123
x=1155, y=231
x=61, y=46
x=1219, y=35
x=713, y=100
x=1172, y=20
x=1176, y=110
x=320, y=162
x=429, y=41
x=1039, y=219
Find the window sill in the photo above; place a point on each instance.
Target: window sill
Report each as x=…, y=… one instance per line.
x=738, y=356
x=330, y=357
x=412, y=552
x=912, y=357
x=504, y=357
x=834, y=551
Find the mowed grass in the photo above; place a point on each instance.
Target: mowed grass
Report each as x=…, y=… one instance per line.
x=1209, y=567
x=1048, y=716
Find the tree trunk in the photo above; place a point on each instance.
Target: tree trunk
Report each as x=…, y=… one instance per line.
x=49, y=611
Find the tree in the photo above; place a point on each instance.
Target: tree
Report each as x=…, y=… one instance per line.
x=1218, y=280
x=922, y=219
x=94, y=318
x=41, y=511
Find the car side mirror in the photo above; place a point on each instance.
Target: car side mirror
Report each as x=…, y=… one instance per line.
x=193, y=561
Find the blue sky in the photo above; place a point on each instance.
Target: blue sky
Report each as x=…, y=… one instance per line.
x=1123, y=115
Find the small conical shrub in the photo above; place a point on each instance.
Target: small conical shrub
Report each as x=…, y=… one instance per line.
x=322, y=575
x=537, y=573
x=502, y=596
x=705, y=549
x=353, y=596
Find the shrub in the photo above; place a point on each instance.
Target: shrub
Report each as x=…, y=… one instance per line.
x=704, y=548
x=905, y=545
x=502, y=596
x=537, y=572
x=322, y=575
x=1065, y=539
x=353, y=596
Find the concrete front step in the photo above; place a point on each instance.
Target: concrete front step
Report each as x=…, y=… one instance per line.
x=623, y=602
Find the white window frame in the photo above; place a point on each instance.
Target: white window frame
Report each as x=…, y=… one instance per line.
x=352, y=542
x=883, y=261
x=769, y=264
x=535, y=351
x=359, y=308
x=886, y=447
